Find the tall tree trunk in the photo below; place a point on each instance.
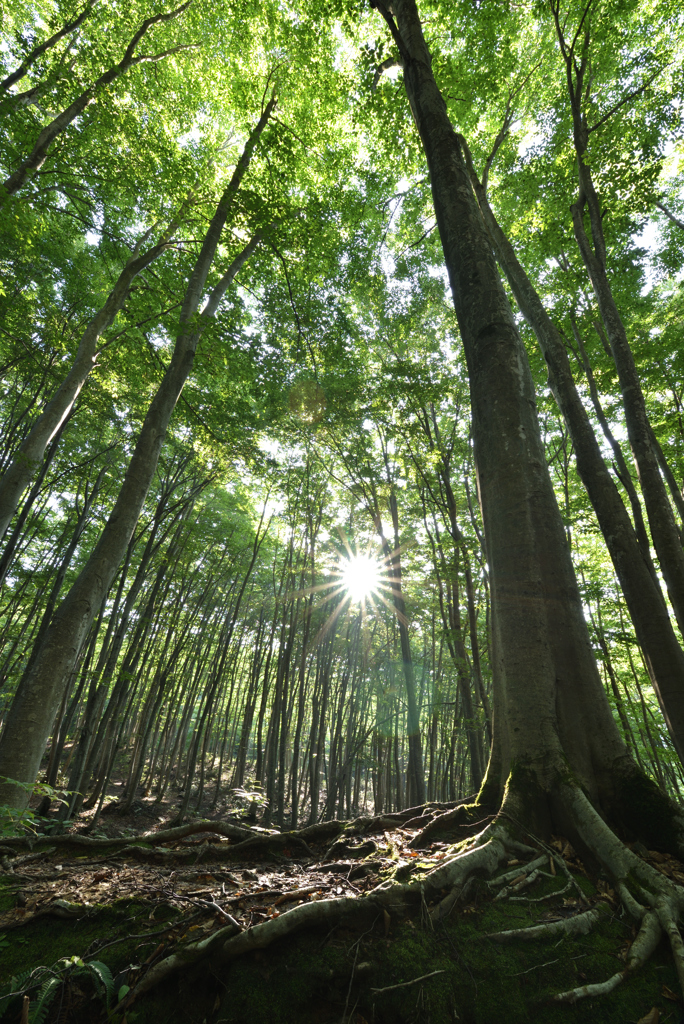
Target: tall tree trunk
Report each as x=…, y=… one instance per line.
x=36, y=158
x=644, y=599
x=34, y=706
x=664, y=530
x=556, y=710
x=30, y=455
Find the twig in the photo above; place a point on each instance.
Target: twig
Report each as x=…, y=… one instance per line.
x=149, y=935
x=404, y=984
x=210, y=905
x=537, y=967
x=351, y=980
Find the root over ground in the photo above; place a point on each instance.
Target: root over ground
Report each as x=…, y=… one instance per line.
x=371, y=920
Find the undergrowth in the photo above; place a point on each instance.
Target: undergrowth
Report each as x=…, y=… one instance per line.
x=317, y=977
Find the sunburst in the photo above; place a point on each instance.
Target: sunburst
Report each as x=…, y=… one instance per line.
x=361, y=576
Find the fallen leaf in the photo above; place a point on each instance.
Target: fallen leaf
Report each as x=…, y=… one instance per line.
x=667, y=993
x=652, y=1017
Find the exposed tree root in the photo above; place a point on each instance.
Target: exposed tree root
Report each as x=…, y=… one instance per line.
x=520, y=878
x=628, y=872
x=257, y=846
x=641, y=949
x=465, y=819
x=488, y=853
x=580, y=924
x=228, y=943
x=503, y=860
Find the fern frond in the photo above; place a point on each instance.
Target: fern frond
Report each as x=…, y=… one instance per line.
x=103, y=975
x=46, y=995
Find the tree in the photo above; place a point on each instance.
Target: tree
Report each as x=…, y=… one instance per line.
x=172, y=579
x=557, y=755
x=35, y=705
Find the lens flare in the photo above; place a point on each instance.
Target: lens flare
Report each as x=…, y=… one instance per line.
x=360, y=576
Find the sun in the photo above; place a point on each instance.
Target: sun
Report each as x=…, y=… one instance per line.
x=360, y=576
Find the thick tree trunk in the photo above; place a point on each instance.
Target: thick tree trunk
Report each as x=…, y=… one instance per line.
x=645, y=601
x=35, y=704
x=555, y=710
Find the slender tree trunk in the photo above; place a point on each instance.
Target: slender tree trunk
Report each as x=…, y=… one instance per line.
x=34, y=706
x=36, y=158
x=664, y=530
x=31, y=452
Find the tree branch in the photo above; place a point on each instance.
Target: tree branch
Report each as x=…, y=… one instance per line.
x=625, y=99
x=36, y=52
x=670, y=215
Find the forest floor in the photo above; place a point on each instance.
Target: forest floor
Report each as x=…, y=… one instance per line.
x=84, y=919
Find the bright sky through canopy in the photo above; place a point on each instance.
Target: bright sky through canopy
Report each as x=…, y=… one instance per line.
x=360, y=576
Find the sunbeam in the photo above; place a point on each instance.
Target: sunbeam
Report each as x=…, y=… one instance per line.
x=360, y=575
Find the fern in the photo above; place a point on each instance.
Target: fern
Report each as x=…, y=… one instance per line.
x=20, y=984
x=67, y=967
x=103, y=975
x=45, y=996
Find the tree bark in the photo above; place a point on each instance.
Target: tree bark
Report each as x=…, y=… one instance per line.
x=664, y=531
x=555, y=709
x=46, y=45
x=36, y=158
x=29, y=457
x=645, y=601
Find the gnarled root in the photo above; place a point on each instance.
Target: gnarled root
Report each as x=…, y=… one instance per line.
x=663, y=900
x=580, y=924
x=652, y=900
x=465, y=819
x=228, y=943
x=641, y=949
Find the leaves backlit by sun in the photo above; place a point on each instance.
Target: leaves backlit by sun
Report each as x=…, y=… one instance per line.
x=360, y=575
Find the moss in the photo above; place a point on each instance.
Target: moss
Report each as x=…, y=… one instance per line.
x=320, y=975
x=308, y=978
x=526, y=797
x=48, y=939
x=489, y=797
